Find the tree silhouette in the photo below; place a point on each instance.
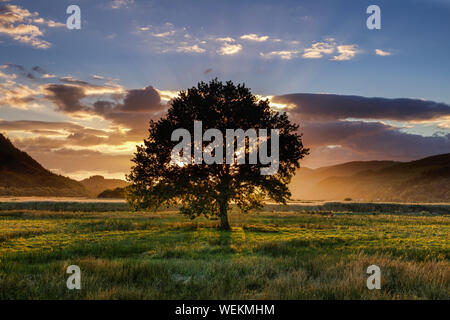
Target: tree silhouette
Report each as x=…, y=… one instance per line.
x=209, y=189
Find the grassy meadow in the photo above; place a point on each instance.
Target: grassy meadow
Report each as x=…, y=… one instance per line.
x=294, y=254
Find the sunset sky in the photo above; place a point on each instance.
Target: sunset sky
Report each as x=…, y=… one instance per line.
x=79, y=101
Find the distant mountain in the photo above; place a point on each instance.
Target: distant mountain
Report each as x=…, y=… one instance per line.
x=97, y=184
x=21, y=175
x=425, y=180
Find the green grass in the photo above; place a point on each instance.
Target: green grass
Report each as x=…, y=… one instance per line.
x=268, y=255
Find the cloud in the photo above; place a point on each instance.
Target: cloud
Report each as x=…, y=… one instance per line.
x=332, y=137
x=93, y=89
x=382, y=53
x=164, y=34
x=346, y=52
x=283, y=55
x=29, y=125
x=49, y=23
x=97, y=77
x=53, y=135
x=167, y=38
x=398, y=145
x=49, y=137
x=130, y=109
x=16, y=95
x=66, y=97
x=331, y=128
x=229, y=49
x=71, y=161
x=191, y=49
x=325, y=133
x=72, y=146
x=38, y=70
x=328, y=47
x=43, y=73
x=20, y=25
x=167, y=95
x=141, y=100
x=7, y=76
x=225, y=39
x=48, y=76
x=138, y=107
x=318, y=49
x=310, y=106
x=445, y=124
x=71, y=80
x=33, y=74
x=22, y=70
x=118, y=4
x=254, y=37
x=340, y=141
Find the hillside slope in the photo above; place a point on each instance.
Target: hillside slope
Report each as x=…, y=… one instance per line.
x=21, y=175
x=304, y=181
x=424, y=180
x=97, y=184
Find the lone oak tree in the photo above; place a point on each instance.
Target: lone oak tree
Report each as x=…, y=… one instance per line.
x=208, y=189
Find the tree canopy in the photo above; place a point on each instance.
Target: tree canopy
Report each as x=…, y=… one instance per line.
x=209, y=189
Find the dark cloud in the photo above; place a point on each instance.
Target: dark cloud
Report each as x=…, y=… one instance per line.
x=141, y=100
x=38, y=70
x=22, y=71
x=85, y=139
x=340, y=141
x=75, y=81
x=66, y=97
x=338, y=132
x=333, y=139
x=132, y=110
x=139, y=106
x=398, y=145
x=103, y=107
x=334, y=107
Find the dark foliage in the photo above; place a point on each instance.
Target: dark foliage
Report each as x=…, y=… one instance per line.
x=208, y=190
x=117, y=193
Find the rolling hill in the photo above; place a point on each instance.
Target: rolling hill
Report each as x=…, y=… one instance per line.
x=424, y=180
x=98, y=184
x=117, y=193
x=21, y=175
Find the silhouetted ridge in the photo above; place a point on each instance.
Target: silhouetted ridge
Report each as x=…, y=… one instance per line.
x=21, y=175
x=12, y=158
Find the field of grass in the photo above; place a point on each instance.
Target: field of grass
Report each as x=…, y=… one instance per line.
x=267, y=255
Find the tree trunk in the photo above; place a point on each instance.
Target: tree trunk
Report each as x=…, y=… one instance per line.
x=224, y=224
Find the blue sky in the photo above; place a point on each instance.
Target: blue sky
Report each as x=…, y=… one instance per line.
x=415, y=32
x=275, y=47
